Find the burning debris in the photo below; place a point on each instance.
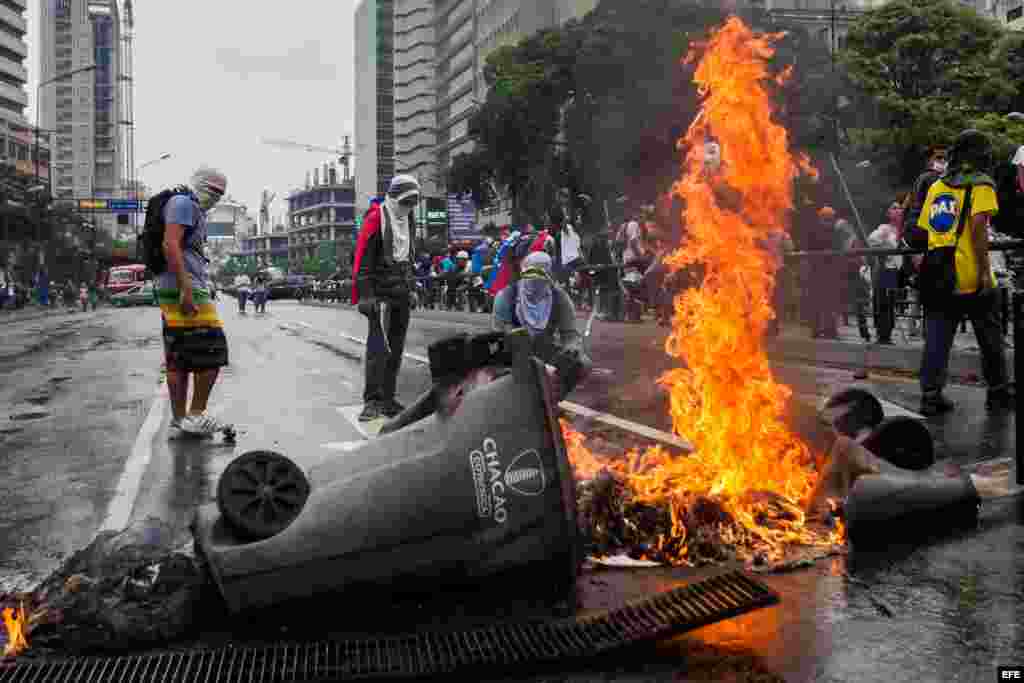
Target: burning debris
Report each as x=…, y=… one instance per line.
x=739, y=496
x=124, y=591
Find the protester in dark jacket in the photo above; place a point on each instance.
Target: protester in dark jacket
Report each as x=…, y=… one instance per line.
x=381, y=286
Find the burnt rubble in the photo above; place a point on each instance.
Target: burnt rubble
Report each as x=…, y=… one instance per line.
x=125, y=591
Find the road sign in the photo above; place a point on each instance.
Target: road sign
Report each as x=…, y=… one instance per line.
x=112, y=205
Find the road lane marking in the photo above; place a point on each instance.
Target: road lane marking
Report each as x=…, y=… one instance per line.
x=345, y=446
x=367, y=430
x=119, y=510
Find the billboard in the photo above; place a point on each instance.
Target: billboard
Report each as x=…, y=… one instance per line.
x=462, y=218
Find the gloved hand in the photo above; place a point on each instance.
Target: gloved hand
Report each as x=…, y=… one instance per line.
x=369, y=306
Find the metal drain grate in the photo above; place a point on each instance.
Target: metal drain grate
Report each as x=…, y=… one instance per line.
x=689, y=607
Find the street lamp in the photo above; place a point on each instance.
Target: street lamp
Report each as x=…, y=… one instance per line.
x=162, y=157
x=135, y=189
x=39, y=88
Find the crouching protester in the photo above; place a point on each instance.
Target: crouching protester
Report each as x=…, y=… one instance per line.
x=194, y=341
x=536, y=305
x=956, y=278
x=382, y=274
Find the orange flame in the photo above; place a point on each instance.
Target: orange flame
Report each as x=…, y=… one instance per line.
x=15, y=624
x=723, y=397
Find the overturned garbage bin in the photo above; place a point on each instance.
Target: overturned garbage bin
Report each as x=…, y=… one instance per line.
x=487, y=494
x=903, y=505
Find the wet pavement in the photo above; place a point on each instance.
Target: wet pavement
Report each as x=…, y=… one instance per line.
x=947, y=609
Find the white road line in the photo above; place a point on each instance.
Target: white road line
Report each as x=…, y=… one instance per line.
x=119, y=511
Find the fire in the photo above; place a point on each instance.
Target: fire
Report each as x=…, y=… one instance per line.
x=15, y=623
x=723, y=397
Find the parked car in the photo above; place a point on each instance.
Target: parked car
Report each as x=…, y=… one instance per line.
x=139, y=295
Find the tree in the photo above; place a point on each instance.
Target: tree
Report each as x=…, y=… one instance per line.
x=931, y=66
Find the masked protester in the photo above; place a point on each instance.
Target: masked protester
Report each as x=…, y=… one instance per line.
x=914, y=202
x=382, y=274
x=956, y=214
x=194, y=341
x=534, y=305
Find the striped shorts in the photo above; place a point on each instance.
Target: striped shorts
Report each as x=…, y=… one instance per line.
x=192, y=342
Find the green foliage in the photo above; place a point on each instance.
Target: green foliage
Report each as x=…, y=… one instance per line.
x=934, y=67
x=1006, y=134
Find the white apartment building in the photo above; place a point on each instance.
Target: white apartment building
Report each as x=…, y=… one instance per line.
x=415, y=95
x=85, y=108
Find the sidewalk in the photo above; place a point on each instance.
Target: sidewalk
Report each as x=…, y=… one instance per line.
x=32, y=312
x=903, y=357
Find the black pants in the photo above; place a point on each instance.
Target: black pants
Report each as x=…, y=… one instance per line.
x=382, y=367
x=941, y=322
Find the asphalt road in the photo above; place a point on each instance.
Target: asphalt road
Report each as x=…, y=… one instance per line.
x=84, y=446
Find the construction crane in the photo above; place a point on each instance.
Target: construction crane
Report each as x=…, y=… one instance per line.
x=345, y=154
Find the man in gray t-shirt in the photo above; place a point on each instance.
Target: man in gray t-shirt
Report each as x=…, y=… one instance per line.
x=194, y=341
x=183, y=209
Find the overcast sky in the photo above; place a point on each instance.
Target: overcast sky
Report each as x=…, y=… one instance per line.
x=214, y=76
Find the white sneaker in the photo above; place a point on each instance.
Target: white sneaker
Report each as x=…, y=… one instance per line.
x=203, y=424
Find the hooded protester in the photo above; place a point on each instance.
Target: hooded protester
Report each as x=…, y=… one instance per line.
x=535, y=304
x=382, y=273
x=956, y=277
x=193, y=333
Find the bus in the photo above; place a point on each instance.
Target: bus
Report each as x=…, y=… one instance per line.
x=122, y=278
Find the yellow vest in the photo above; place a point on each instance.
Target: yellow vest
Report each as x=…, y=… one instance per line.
x=941, y=216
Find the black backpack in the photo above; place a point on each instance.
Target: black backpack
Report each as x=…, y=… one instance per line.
x=151, y=241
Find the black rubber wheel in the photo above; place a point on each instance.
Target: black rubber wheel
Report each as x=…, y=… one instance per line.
x=904, y=442
x=860, y=410
x=260, y=493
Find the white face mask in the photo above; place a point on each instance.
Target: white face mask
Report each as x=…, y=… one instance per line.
x=939, y=166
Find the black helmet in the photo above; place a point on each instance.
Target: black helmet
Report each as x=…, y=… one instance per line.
x=971, y=147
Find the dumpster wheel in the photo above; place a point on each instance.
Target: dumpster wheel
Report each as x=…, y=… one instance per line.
x=260, y=493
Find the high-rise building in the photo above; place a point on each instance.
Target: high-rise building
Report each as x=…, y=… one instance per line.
x=415, y=94
x=467, y=31
x=83, y=109
x=13, y=51
x=374, y=79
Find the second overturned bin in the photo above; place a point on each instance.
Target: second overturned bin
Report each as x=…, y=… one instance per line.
x=488, y=493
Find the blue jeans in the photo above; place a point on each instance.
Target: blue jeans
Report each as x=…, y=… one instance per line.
x=941, y=322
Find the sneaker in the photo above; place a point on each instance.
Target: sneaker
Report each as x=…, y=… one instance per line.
x=392, y=408
x=935, y=404
x=371, y=412
x=203, y=424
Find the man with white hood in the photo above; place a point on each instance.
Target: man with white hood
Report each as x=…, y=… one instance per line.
x=534, y=304
x=382, y=273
